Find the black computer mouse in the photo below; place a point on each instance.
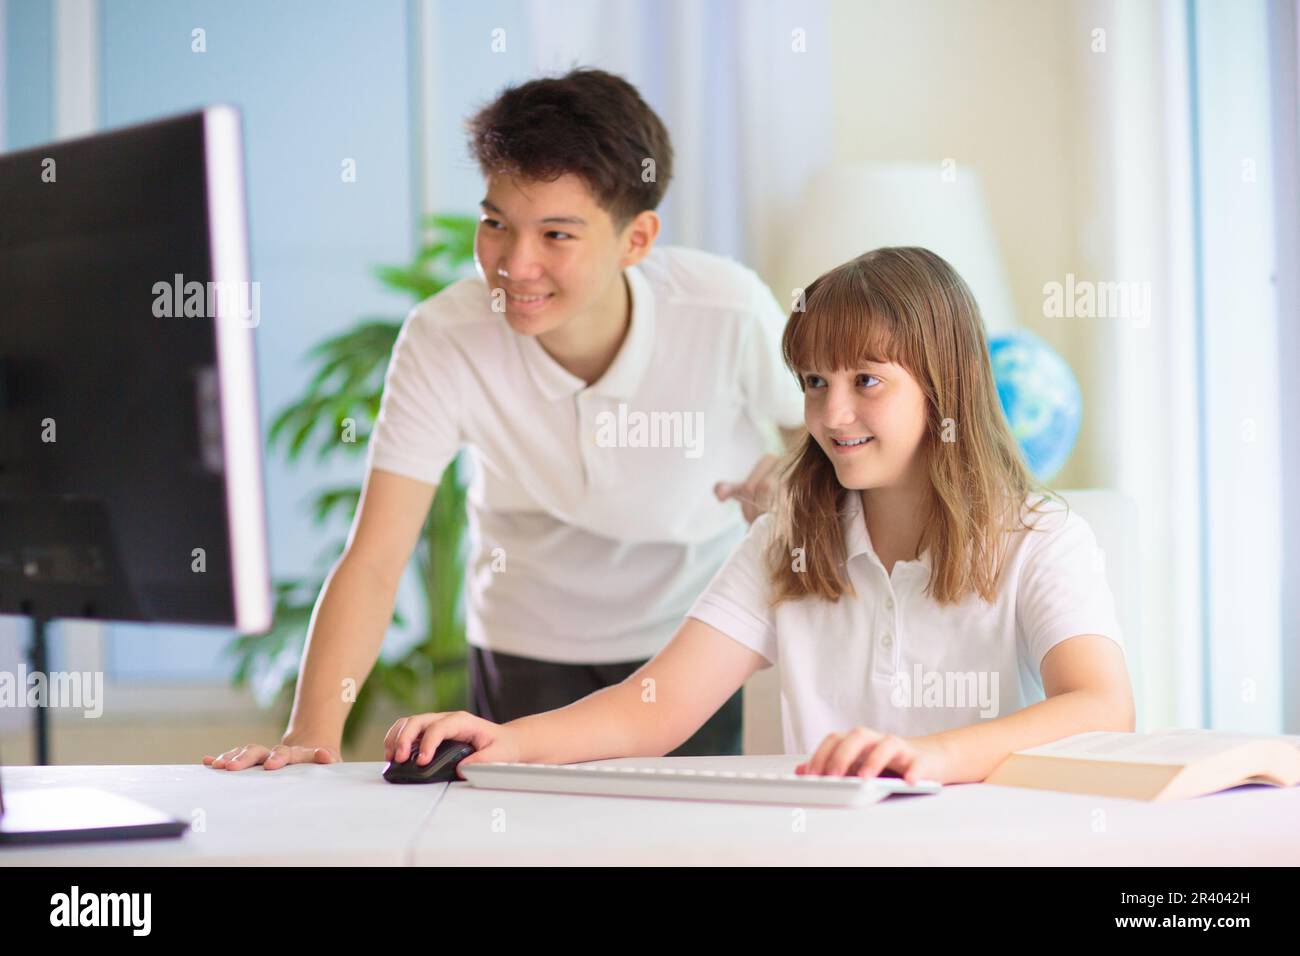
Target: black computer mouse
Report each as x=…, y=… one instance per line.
x=440, y=769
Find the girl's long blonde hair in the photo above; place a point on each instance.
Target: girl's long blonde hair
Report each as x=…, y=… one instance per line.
x=907, y=306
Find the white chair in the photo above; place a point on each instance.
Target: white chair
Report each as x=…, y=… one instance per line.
x=1113, y=518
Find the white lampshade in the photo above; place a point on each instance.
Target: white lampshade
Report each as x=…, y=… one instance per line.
x=848, y=210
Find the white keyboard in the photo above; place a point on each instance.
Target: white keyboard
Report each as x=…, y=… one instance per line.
x=681, y=784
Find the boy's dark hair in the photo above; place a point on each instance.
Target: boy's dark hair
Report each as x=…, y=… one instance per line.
x=589, y=123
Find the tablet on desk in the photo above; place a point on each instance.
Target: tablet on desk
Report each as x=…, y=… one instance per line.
x=80, y=815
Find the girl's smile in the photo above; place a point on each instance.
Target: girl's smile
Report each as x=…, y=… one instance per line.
x=847, y=446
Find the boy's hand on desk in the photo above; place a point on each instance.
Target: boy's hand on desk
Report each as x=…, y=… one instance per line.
x=756, y=493
x=272, y=758
x=492, y=742
x=863, y=752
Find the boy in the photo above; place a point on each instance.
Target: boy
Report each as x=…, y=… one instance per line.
x=606, y=390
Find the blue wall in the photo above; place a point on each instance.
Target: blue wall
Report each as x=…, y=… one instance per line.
x=29, y=76
x=467, y=74
x=317, y=82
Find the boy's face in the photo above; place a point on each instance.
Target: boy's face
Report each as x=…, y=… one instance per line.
x=882, y=403
x=549, y=252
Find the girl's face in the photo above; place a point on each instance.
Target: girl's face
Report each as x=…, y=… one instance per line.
x=870, y=422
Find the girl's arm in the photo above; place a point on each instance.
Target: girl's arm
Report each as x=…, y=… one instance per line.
x=1087, y=687
x=651, y=712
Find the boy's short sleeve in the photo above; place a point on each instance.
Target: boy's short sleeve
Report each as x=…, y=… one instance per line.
x=417, y=432
x=738, y=600
x=1063, y=591
x=769, y=387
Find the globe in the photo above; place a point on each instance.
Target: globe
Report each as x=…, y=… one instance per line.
x=1040, y=397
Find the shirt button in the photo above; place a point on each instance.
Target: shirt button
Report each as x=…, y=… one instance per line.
x=889, y=604
x=888, y=641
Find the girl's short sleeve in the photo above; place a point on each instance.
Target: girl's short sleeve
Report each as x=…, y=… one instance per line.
x=738, y=600
x=1063, y=591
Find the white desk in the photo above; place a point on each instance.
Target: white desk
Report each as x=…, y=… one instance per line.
x=342, y=814
x=346, y=814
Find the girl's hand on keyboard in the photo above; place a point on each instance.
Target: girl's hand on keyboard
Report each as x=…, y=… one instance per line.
x=491, y=742
x=863, y=752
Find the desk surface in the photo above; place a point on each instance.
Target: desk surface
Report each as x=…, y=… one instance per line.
x=341, y=814
x=346, y=814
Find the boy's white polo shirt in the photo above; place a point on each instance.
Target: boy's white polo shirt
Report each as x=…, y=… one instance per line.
x=593, y=523
x=893, y=659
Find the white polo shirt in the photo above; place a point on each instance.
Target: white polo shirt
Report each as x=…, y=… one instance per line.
x=593, y=523
x=893, y=659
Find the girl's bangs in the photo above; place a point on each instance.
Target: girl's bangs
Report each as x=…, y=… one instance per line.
x=843, y=325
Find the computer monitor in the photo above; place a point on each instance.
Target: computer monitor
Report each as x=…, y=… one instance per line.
x=130, y=468
x=130, y=444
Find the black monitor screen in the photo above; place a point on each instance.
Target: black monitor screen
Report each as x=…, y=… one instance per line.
x=113, y=497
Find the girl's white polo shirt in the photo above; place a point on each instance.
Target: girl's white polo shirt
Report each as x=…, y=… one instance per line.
x=593, y=523
x=893, y=659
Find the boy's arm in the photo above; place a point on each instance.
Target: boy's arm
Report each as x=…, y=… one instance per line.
x=355, y=607
x=772, y=395
x=348, y=623
x=756, y=491
x=1088, y=689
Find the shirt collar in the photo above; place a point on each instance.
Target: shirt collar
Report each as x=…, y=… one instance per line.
x=624, y=375
x=857, y=539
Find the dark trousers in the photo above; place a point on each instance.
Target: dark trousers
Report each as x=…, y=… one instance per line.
x=504, y=687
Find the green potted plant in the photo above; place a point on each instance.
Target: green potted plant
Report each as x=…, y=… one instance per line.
x=343, y=395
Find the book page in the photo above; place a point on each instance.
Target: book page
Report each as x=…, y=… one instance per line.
x=1170, y=747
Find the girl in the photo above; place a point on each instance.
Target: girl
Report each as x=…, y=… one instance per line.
x=918, y=588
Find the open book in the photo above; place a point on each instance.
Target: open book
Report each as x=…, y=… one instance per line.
x=1164, y=766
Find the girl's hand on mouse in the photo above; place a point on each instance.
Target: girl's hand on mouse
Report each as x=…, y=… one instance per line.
x=863, y=752
x=492, y=742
